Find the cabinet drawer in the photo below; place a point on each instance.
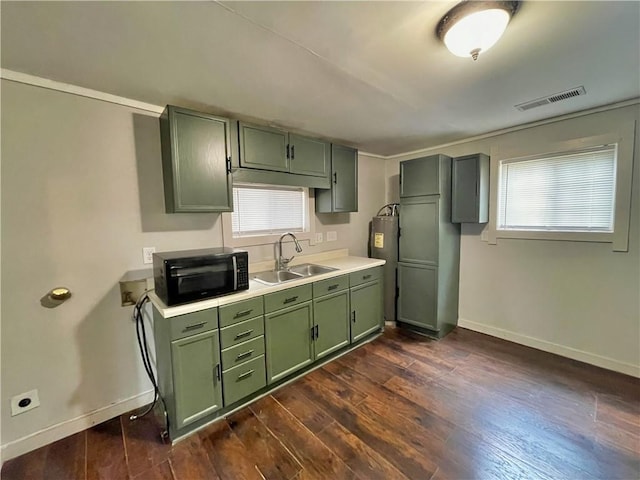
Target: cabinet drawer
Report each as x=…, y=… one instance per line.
x=287, y=298
x=364, y=276
x=236, y=312
x=243, y=380
x=192, y=323
x=241, y=332
x=331, y=285
x=242, y=352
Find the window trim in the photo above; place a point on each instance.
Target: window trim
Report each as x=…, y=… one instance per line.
x=229, y=240
x=619, y=238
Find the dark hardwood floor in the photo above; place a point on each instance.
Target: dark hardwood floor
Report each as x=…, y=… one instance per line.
x=469, y=406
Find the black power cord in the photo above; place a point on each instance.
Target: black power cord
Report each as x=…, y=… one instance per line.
x=143, y=345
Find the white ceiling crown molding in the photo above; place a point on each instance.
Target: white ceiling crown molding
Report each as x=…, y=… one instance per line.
x=27, y=79
x=582, y=113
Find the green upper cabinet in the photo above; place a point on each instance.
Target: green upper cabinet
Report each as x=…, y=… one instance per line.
x=470, y=189
x=309, y=156
x=196, y=377
x=343, y=194
x=425, y=176
x=196, y=161
x=264, y=148
x=276, y=157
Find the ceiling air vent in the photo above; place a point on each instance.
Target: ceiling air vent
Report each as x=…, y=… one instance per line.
x=556, y=97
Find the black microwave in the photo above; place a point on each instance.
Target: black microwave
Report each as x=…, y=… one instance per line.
x=191, y=275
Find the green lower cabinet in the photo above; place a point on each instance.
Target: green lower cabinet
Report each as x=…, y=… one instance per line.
x=289, y=344
x=242, y=352
x=331, y=317
x=366, y=309
x=243, y=380
x=196, y=377
x=418, y=299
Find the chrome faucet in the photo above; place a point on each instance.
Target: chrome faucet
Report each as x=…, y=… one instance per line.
x=283, y=263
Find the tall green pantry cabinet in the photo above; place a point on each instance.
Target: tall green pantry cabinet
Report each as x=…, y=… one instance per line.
x=429, y=248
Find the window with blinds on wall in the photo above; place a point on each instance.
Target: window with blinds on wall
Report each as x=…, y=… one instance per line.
x=564, y=192
x=267, y=210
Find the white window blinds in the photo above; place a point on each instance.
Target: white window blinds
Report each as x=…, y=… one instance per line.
x=265, y=210
x=573, y=191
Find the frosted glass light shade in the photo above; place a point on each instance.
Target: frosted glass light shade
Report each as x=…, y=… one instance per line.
x=477, y=32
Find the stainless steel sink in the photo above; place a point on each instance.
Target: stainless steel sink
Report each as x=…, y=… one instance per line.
x=297, y=272
x=309, y=269
x=276, y=277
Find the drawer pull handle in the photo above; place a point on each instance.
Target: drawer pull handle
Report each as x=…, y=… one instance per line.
x=195, y=326
x=366, y=277
x=244, y=355
x=218, y=372
x=353, y=316
x=290, y=299
x=245, y=374
x=244, y=313
x=333, y=287
x=244, y=334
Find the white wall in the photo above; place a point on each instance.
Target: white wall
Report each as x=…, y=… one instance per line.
x=81, y=195
x=578, y=299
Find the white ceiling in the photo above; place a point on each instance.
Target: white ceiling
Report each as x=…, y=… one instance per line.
x=368, y=74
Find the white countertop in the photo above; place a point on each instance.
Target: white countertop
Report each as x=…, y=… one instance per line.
x=344, y=265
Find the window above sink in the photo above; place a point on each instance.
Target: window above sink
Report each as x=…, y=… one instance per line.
x=263, y=212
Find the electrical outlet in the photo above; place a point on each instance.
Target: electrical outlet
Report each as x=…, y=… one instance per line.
x=24, y=402
x=319, y=237
x=147, y=254
x=332, y=236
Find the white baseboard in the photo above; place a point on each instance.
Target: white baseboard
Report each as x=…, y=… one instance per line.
x=69, y=427
x=575, y=354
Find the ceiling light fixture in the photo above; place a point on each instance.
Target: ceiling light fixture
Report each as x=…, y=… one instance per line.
x=473, y=27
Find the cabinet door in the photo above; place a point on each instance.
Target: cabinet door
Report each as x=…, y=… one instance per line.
x=366, y=310
x=264, y=148
x=470, y=193
x=464, y=202
x=419, y=224
x=344, y=166
x=288, y=339
x=418, y=295
x=196, y=377
x=195, y=150
x=420, y=176
x=331, y=316
x=309, y=156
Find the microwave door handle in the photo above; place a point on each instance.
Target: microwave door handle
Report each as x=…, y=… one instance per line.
x=235, y=273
